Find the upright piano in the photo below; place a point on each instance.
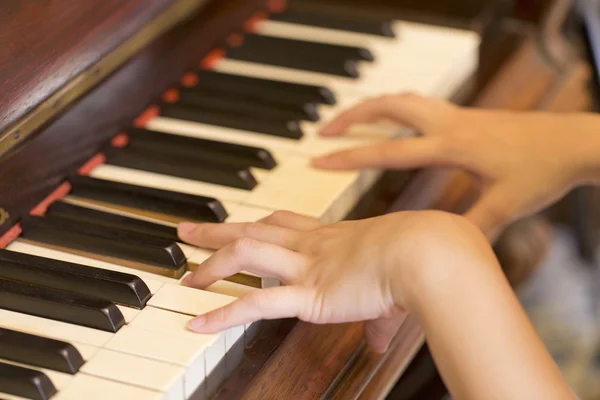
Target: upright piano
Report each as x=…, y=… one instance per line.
x=119, y=120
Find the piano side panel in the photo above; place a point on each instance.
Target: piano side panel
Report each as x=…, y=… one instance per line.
x=30, y=173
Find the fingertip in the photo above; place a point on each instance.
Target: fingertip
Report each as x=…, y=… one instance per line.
x=185, y=229
x=187, y=281
x=197, y=324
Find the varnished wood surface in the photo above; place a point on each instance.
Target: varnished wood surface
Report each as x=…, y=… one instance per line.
x=29, y=174
x=45, y=44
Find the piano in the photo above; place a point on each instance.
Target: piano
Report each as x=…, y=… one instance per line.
x=119, y=120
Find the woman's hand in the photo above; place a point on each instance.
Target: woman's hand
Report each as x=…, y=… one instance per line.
x=524, y=161
x=437, y=266
x=350, y=271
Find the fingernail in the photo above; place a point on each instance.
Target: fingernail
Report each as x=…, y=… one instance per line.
x=320, y=161
x=185, y=228
x=196, y=323
x=187, y=281
x=326, y=131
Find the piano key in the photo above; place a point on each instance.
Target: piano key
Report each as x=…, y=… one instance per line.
x=249, y=105
x=54, y=329
x=150, y=253
x=175, y=325
x=364, y=24
x=285, y=47
x=314, y=192
x=194, y=302
x=185, y=353
x=137, y=371
x=25, y=382
x=209, y=150
x=157, y=201
x=230, y=288
x=181, y=166
x=418, y=62
x=336, y=66
x=282, y=92
x=60, y=305
x=152, y=281
x=93, y=388
x=60, y=380
x=78, y=213
x=112, y=286
x=39, y=351
x=288, y=129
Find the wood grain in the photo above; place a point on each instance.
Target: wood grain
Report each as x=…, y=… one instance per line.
x=45, y=44
x=29, y=174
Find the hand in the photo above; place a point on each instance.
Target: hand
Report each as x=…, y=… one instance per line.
x=524, y=161
x=350, y=271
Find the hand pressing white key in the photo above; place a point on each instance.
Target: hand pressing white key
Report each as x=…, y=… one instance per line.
x=432, y=264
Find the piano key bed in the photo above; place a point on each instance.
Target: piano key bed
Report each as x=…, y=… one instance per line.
x=91, y=304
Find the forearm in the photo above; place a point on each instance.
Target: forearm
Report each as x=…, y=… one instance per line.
x=481, y=339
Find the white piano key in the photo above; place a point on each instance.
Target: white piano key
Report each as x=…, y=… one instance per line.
x=290, y=30
x=137, y=371
x=185, y=353
x=175, y=325
x=128, y=313
x=53, y=329
x=6, y=396
x=93, y=388
x=154, y=282
x=194, y=302
x=230, y=288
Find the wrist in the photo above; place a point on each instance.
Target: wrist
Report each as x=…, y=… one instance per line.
x=584, y=137
x=441, y=249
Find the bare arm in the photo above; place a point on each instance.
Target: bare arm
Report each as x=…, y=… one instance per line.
x=481, y=339
x=435, y=265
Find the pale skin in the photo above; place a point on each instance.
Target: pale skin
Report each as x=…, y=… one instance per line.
x=437, y=266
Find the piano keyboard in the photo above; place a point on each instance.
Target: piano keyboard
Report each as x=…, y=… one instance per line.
x=91, y=304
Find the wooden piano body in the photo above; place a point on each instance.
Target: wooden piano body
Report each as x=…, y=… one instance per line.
x=69, y=84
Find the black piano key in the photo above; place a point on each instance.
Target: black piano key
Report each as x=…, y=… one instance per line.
x=177, y=165
x=323, y=19
x=84, y=214
x=60, y=305
x=285, y=47
x=279, y=57
x=25, y=382
x=165, y=255
x=39, y=351
x=186, y=206
x=113, y=286
x=256, y=106
x=282, y=92
x=286, y=129
x=206, y=150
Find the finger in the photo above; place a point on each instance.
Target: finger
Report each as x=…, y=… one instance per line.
x=495, y=209
x=380, y=332
x=400, y=154
x=407, y=109
x=272, y=303
x=260, y=258
x=216, y=236
x=291, y=220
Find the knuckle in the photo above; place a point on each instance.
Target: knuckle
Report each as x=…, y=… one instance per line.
x=243, y=246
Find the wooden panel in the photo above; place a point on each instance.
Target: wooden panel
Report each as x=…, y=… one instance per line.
x=45, y=44
x=30, y=173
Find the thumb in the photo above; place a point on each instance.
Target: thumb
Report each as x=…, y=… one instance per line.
x=494, y=210
x=407, y=109
x=399, y=154
x=380, y=332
